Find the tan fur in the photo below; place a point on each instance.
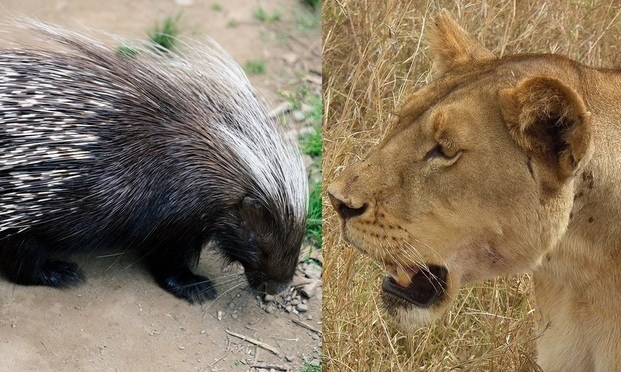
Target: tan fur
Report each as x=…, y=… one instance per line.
x=453, y=45
x=533, y=183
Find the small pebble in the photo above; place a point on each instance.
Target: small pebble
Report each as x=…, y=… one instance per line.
x=315, y=362
x=289, y=358
x=290, y=58
x=268, y=298
x=308, y=290
x=298, y=115
x=306, y=107
x=313, y=272
x=302, y=308
x=300, y=280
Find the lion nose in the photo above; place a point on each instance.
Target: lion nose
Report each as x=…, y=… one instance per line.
x=346, y=209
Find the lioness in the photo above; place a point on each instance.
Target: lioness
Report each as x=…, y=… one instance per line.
x=499, y=166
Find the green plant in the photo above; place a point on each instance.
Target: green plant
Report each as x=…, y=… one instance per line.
x=254, y=67
x=217, y=7
x=315, y=4
x=316, y=111
x=306, y=20
x=311, y=143
x=310, y=368
x=125, y=50
x=265, y=17
x=165, y=34
x=312, y=146
x=313, y=219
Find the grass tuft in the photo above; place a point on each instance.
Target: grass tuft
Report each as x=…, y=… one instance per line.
x=313, y=219
x=264, y=16
x=374, y=55
x=254, y=67
x=310, y=368
x=165, y=34
x=312, y=143
x=124, y=50
x=314, y=4
x=312, y=146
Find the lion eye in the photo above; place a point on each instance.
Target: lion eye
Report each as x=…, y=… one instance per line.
x=441, y=152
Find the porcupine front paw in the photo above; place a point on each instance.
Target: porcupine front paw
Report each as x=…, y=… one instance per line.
x=193, y=288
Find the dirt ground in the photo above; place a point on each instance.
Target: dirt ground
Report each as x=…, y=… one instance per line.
x=120, y=319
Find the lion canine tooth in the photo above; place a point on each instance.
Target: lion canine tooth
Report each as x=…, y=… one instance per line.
x=392, y=270
x=404, y=277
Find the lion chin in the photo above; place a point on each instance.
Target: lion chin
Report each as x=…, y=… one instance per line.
x=410, y=317
x=413, y=318
x=418, y=299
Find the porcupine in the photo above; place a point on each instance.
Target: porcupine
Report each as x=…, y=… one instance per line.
x=160, y=152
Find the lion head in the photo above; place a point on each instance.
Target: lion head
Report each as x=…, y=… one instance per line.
x=474, y=178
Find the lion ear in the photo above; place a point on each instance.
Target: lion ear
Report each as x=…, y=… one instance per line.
x=451, y=45
x=550, y=120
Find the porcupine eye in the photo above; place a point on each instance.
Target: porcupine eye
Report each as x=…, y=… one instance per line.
x=254, y=215
x=256, y=221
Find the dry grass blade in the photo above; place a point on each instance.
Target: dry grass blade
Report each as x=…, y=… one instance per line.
x=374, y=54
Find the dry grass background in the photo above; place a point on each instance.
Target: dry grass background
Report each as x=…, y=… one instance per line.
x=374, y=54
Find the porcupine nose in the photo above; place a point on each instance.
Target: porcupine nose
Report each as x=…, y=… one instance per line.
x=273, y=288
x=346, y=209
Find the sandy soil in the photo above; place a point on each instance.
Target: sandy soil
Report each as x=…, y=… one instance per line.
x=120, y=319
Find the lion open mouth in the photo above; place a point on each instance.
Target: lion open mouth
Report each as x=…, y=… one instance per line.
x=418, y=286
